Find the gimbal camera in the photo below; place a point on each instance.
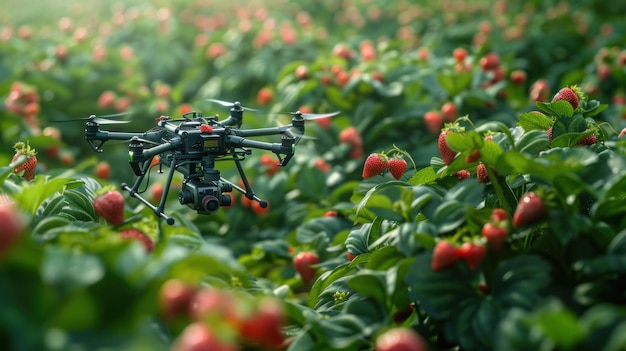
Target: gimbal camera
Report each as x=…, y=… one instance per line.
x=191, y=145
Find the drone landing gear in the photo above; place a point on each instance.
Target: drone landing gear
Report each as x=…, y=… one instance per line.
x=157, y=210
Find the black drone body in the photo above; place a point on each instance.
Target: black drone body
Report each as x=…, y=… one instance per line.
x=191, y=145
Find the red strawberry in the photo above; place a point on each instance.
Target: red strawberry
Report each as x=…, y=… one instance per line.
x=462, y=174
x=103, y=170
x=539, y=91
x=209, y=301
x=472, y=254
x=495, y=234
x=263, y=328
x=481, y=173
x=447, y=154
x=205, y=128
x=473, y=156
x=302, y=262
x=499, y=215
x=197, y=336
x=588, y=140
x=444, y=255
x=530, y=209
x=12, y=225
x=549, y=132
x=397, y=167
x=490, y=61
x=265, y=96
x=449, y=111
x=459, y=54
x=175, y=298
x=433, y=121
x=375, y=164
x=351, y=136
x=400, y=339
x=136, y=234
x=350, y=256
x=110, y=206
x=567, y=94
x=27, y=168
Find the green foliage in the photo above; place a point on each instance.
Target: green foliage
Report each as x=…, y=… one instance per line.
x=71, y=282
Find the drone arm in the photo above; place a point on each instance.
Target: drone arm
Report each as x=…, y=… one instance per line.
x=93, y=134
x=274, y=147
x=262, y=131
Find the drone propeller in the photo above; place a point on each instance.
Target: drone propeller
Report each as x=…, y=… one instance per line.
x=231, y=104
x=313, y=116
x=104, y=119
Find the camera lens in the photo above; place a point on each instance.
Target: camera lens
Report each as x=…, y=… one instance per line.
x=210, y=203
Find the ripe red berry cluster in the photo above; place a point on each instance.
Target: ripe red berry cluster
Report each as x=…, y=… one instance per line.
x=496, y=230
x=446, y=254
x=378, y=163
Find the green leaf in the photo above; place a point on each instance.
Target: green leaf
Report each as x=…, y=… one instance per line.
x=559, y=108
x=357, y=241
x=370, y=284
x=70, y=269
x=518, y=281
x=425, y=175
x=440, y=292
x=532, y=121
x=533, y=142
x=383, y=202
x=450, y=215
x=454, y=83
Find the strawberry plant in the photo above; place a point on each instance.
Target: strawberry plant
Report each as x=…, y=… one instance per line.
x=468, y=195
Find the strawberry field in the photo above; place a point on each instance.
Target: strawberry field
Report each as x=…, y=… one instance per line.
x=463, y=189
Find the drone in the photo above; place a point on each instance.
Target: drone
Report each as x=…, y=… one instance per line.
x=191, y=145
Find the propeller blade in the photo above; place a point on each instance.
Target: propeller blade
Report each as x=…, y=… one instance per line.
x=230, y=104
x=108, y=121
x=146, y=141
x=313, y=116
x=104, y=119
